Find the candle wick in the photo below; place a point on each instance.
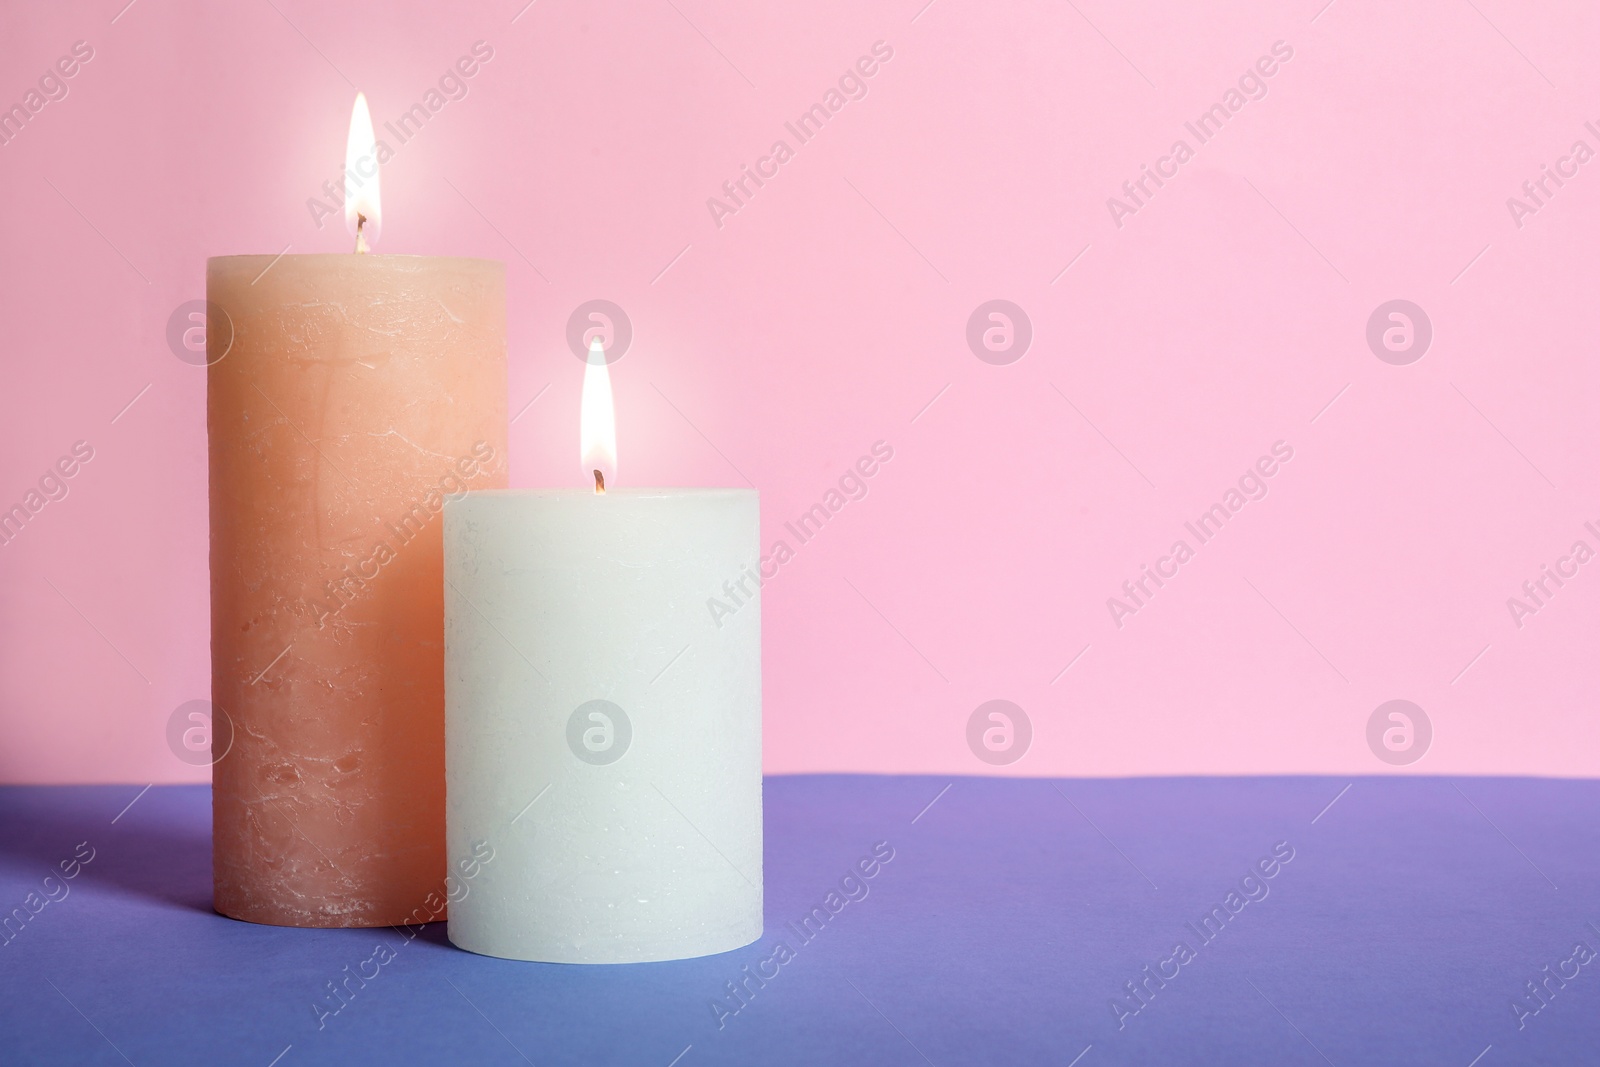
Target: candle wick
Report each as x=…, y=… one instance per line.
x=361, y=237
x=599, y=483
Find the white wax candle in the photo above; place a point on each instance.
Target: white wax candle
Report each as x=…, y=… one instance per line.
x=602, y=732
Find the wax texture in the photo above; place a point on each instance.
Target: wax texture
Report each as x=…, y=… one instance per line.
x=603, y=724
x=348, y=396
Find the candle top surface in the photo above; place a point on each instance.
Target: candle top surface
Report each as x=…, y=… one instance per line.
x=620, y=492
x=396, y=259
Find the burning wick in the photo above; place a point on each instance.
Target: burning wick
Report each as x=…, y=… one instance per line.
x=597, y=420
x=363, y=214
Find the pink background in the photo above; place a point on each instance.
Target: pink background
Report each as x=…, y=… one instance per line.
x=827, y=313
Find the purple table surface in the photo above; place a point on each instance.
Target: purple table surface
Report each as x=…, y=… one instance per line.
x=1008, y=928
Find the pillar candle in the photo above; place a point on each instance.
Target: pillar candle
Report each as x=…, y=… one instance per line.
x=603, y=728
x=348, y=396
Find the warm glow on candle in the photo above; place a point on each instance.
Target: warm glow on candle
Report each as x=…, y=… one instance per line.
x=597, y=424
x=362, y=213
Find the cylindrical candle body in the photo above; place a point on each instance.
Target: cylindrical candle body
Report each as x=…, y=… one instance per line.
x=348, y=396
x=602, y=724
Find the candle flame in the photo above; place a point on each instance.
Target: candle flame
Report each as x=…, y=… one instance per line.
x=597, y=423
x=362, y=213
